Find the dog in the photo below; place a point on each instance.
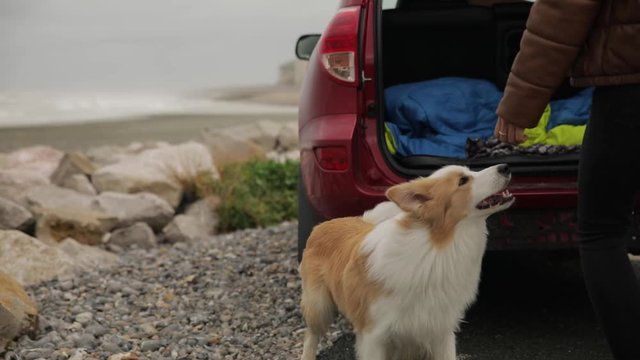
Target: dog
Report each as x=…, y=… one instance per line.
x=405, y=272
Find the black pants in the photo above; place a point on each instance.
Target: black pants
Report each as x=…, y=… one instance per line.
x=609, y=180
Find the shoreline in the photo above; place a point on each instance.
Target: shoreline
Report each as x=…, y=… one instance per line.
x=79, y=120
x=171, y=128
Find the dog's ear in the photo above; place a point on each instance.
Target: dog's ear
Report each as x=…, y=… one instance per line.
x=408, y=196
x=419, y=198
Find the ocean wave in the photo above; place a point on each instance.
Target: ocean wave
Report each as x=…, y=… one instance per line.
x=34, y=109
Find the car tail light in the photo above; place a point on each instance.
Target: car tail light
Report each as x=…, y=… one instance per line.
x=332, y=158
x=339, y=45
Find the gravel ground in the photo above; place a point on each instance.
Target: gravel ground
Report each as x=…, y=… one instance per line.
x=234, y=296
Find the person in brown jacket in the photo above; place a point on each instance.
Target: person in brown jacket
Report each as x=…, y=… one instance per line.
x=597, y=43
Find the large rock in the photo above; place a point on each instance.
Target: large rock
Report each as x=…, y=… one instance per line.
x=132, y=208
x=109, y=154
x=42, y=160
x=86, y=226
x=251, y=141
x=228, y=147
x=263, y=133
x=31, y=261
x=204, y=212
x=14, y=216
x=184, y=228
x=165, y=171
x=18, y=313
x=80, y=183
x=287, y=138
x=15, y=183
x=87, y=257
x=54, y=197
x=72, y=164
x=138, y=235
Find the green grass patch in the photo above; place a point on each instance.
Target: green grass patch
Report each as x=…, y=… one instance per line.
x=255, y=194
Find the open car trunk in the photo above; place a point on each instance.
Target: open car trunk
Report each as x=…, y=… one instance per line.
x=434, y=39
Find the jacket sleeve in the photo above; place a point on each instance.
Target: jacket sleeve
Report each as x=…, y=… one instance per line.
x=556, y=32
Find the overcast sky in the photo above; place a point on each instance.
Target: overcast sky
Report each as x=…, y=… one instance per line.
x=57, y=45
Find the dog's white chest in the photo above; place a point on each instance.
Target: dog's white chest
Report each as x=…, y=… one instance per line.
x=429, y=288
x=425, y=312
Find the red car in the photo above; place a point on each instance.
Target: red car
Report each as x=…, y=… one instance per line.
x=370, y=45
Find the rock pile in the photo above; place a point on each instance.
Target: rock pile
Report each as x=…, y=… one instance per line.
x=61, y=213
x=232, y=296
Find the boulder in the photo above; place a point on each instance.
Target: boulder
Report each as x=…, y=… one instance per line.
x=18, y=313
x=14, y=216
x=138, y=235
x=86, y=226
x=263, y=133
x=31, y=261
x=54, y=197
x=72, y=164
x=227, y=147
x=287, y=138
x=79, y=183
x=87, y=257
x=184, y=228
x=166, y=171
x=204, y=212
x=15, y=183
x=107, y=155
x=132, y=208
x=42, y=160
x=249, y=142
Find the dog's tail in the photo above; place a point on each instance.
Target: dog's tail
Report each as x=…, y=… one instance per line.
x=383, y=211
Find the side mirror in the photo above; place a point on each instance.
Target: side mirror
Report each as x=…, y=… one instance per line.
x=305, y=46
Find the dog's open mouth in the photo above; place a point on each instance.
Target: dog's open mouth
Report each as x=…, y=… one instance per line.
x=495, y=200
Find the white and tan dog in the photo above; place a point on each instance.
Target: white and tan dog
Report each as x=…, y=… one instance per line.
x=405, y=272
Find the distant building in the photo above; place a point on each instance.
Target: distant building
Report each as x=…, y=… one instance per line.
x=292, y=73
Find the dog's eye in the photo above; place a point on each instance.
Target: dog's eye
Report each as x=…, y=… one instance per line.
x=463, y=180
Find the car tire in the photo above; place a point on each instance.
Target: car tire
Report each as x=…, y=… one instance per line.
x=307, y=217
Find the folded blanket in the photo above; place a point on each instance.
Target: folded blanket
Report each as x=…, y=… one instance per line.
x=437, y=117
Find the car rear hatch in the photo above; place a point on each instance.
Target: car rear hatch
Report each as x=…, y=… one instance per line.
x=430, y=39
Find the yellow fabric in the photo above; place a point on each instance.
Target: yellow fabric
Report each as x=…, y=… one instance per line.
x=566, y=135
x=390, y=140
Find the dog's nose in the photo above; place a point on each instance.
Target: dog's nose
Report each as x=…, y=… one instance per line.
x=504, y=170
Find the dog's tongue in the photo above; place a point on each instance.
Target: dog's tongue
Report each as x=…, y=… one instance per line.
x=495, y=199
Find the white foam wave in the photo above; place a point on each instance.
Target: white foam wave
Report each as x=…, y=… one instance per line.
x=34, y=109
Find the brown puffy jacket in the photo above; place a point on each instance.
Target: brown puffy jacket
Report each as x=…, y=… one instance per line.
x=597, y=42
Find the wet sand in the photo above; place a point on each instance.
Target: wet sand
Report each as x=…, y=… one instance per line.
x=165, y=127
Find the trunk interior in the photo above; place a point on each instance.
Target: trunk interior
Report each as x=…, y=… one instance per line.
x=426, y=40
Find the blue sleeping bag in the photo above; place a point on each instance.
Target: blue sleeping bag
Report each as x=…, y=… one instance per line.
x=436, y=117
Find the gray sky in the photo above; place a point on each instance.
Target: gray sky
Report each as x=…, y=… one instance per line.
x=57, y=45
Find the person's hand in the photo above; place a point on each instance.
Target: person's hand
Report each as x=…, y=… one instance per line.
x=509, y=133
